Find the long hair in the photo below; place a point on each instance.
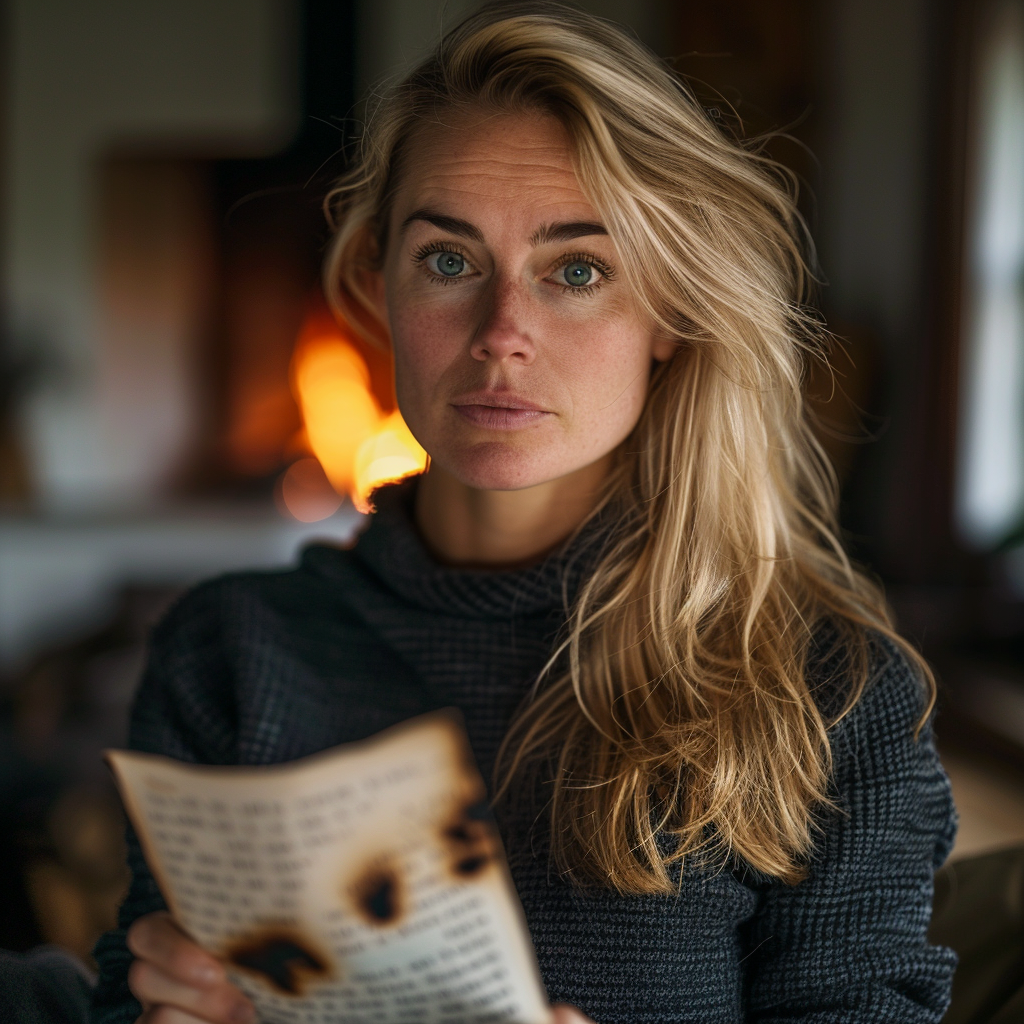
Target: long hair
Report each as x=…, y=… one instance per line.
x=677, y=713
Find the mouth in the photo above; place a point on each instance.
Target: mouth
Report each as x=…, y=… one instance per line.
x=497, y=411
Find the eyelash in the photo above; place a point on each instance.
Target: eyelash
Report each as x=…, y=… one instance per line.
x=420, y=255
x=587, y=290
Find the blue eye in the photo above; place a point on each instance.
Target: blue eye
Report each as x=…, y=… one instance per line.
x=449, y=264
x=577, y=274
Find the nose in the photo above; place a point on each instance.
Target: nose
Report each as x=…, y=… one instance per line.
x=505, y=331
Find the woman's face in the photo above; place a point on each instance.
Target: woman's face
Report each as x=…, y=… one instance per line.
x=519, y=354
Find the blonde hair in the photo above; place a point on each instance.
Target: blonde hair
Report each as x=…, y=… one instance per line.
x=677, y=712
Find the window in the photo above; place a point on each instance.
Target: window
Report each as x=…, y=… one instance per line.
x=990, y=458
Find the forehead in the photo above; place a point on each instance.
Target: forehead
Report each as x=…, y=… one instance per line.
x=515, y=164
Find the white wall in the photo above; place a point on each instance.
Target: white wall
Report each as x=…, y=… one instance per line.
x=210, y=77
x=62, y=579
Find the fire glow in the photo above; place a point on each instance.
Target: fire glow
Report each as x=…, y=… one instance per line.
x=354, y=446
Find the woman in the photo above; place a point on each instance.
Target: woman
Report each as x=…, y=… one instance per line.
x=716, y=778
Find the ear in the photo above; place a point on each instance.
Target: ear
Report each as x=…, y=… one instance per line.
x=366, y=284
x=371, y=284
x=663, y=348
x=368, y=312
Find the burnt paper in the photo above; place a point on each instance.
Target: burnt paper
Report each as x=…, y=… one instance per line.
x=365, y=884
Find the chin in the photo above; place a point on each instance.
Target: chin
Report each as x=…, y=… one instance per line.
x=493, y=466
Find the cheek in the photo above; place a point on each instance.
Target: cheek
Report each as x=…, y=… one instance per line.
x=425, y=348
x=422, y=343
x=609, y=373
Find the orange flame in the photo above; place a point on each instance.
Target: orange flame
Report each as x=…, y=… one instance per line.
x=358, y=445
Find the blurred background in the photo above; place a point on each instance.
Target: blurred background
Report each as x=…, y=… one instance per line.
x=175, y=400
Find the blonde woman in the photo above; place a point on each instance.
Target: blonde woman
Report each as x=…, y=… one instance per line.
x=714, y=770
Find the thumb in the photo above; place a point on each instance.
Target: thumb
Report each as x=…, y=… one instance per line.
x=564, y=1014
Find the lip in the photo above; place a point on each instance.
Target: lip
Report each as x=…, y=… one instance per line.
x=499, y=410
x=498, y=400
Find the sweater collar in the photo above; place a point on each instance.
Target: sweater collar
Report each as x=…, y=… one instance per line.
x=392, y=550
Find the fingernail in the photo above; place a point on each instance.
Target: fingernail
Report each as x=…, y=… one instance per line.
x=206, y=974
x=243, y=1013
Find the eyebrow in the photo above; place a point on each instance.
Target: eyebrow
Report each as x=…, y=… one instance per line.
x=453, y=225
x=561, y=232
x=566, y=232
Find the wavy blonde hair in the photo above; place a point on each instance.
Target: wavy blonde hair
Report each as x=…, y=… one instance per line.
x=677, y=713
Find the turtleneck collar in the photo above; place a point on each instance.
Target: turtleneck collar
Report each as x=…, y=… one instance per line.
x=392, y=550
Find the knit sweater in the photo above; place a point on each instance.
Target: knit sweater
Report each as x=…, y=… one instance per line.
x=259, y=668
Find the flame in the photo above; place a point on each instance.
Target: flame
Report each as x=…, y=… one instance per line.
x=358, y=445
x=388, y=454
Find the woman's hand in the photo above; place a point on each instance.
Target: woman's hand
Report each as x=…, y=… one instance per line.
x=177, y=982
x=569, y=1015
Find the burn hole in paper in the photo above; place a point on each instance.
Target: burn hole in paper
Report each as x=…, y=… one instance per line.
x=377, y=893
x=280, y=957
x=471, y=840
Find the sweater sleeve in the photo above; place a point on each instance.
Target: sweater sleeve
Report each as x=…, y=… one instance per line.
x=849, y=943
x=183, y=709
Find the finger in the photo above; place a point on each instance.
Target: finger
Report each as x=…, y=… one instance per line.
x=158, y=939
x=564, y=1014
x=168, y=1015
x=221, y=1004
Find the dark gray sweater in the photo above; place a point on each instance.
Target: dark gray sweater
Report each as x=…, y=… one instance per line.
x=258, y=668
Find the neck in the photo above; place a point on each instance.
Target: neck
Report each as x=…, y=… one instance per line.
x=465, y=526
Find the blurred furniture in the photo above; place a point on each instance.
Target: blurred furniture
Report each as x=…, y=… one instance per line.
x=979, y=912
x=60, y=577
